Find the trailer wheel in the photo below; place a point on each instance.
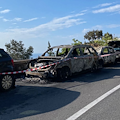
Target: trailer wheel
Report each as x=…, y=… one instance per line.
x=7, y=82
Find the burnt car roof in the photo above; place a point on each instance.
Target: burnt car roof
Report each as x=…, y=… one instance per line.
x=114, y=44
x=98, y=49
x=69, y=46
x=66, y=46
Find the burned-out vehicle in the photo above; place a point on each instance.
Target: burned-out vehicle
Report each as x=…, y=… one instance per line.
x=107, y=54
x=116, y=47
x=62, y=61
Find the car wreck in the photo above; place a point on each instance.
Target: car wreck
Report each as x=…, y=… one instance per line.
x=64, y=60
x=107, y=54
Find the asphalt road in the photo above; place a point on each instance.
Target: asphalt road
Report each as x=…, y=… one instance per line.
x=59, y=101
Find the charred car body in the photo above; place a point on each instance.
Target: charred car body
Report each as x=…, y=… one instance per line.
x=70, y=59
x=107, y=54
x=116, y=47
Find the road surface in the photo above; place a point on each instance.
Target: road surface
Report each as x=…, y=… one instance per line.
x=78, y=98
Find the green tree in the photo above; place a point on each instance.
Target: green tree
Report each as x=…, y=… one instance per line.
x=98, y=34
x=116, y=39
x=76, y=42
x=51, y=53
x=17, y=50
x=49, y=46
x=107, y=37
x=93, y=35
x=64, y=50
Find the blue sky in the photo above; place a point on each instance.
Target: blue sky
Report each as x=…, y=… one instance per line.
x=35, y=22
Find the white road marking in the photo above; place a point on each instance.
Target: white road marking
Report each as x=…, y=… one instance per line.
x=92, y=104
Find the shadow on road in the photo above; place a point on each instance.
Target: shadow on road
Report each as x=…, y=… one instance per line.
x=26, y=101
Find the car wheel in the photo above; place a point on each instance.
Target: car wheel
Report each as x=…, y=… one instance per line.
x=101, y=63
x=94, y=67
x=7, y=82
x=115, y=62
x=66, y=72
x=59, y=75
x=63, y=74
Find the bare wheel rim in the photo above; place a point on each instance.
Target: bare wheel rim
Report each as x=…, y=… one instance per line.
x=7, y=82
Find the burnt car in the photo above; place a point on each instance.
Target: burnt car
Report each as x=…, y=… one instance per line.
x=64, y=60
x=6, y=64
x=107, y=54
x=116, y=46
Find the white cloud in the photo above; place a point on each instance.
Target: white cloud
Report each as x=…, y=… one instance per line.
x=43, y=17
x=83, y=11
x=106, y=4
x=15, y=19
x=113, y=26
x=72, y=12
x=108, y=9
x=5, y=20
x=97, y=27
x=103, y=5
x=41, y=31
x=14, y=23
x=30, y=19
x=4, y=11
x=58, y=23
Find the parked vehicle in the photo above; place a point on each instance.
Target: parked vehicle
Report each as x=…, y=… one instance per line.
x=107, y=54
x=116, y=46
x=6, y=65
x=70, y=59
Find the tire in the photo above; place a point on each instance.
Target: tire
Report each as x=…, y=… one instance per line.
x=94, y=68
x=115, y=62
x=63, y=74
x=101, y=64
x=7, y=82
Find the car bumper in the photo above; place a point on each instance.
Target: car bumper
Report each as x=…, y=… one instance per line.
x=41, y=74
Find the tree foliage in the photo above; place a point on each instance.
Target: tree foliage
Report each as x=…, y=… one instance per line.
x=107, y=37
x=49, y=46
x=116, y=39
x=17, y=50
x=93, y=35
x=65, y=50
x=96, y=38
x=51, y=53
x=76, y=42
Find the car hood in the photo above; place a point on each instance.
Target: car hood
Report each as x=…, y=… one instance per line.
x=43, y=60
x=49, y=58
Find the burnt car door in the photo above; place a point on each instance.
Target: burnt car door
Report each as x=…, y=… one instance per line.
x=105, y=55
x=77, y=62
x=112, y=55
x=87, y=57
x=95, y=55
